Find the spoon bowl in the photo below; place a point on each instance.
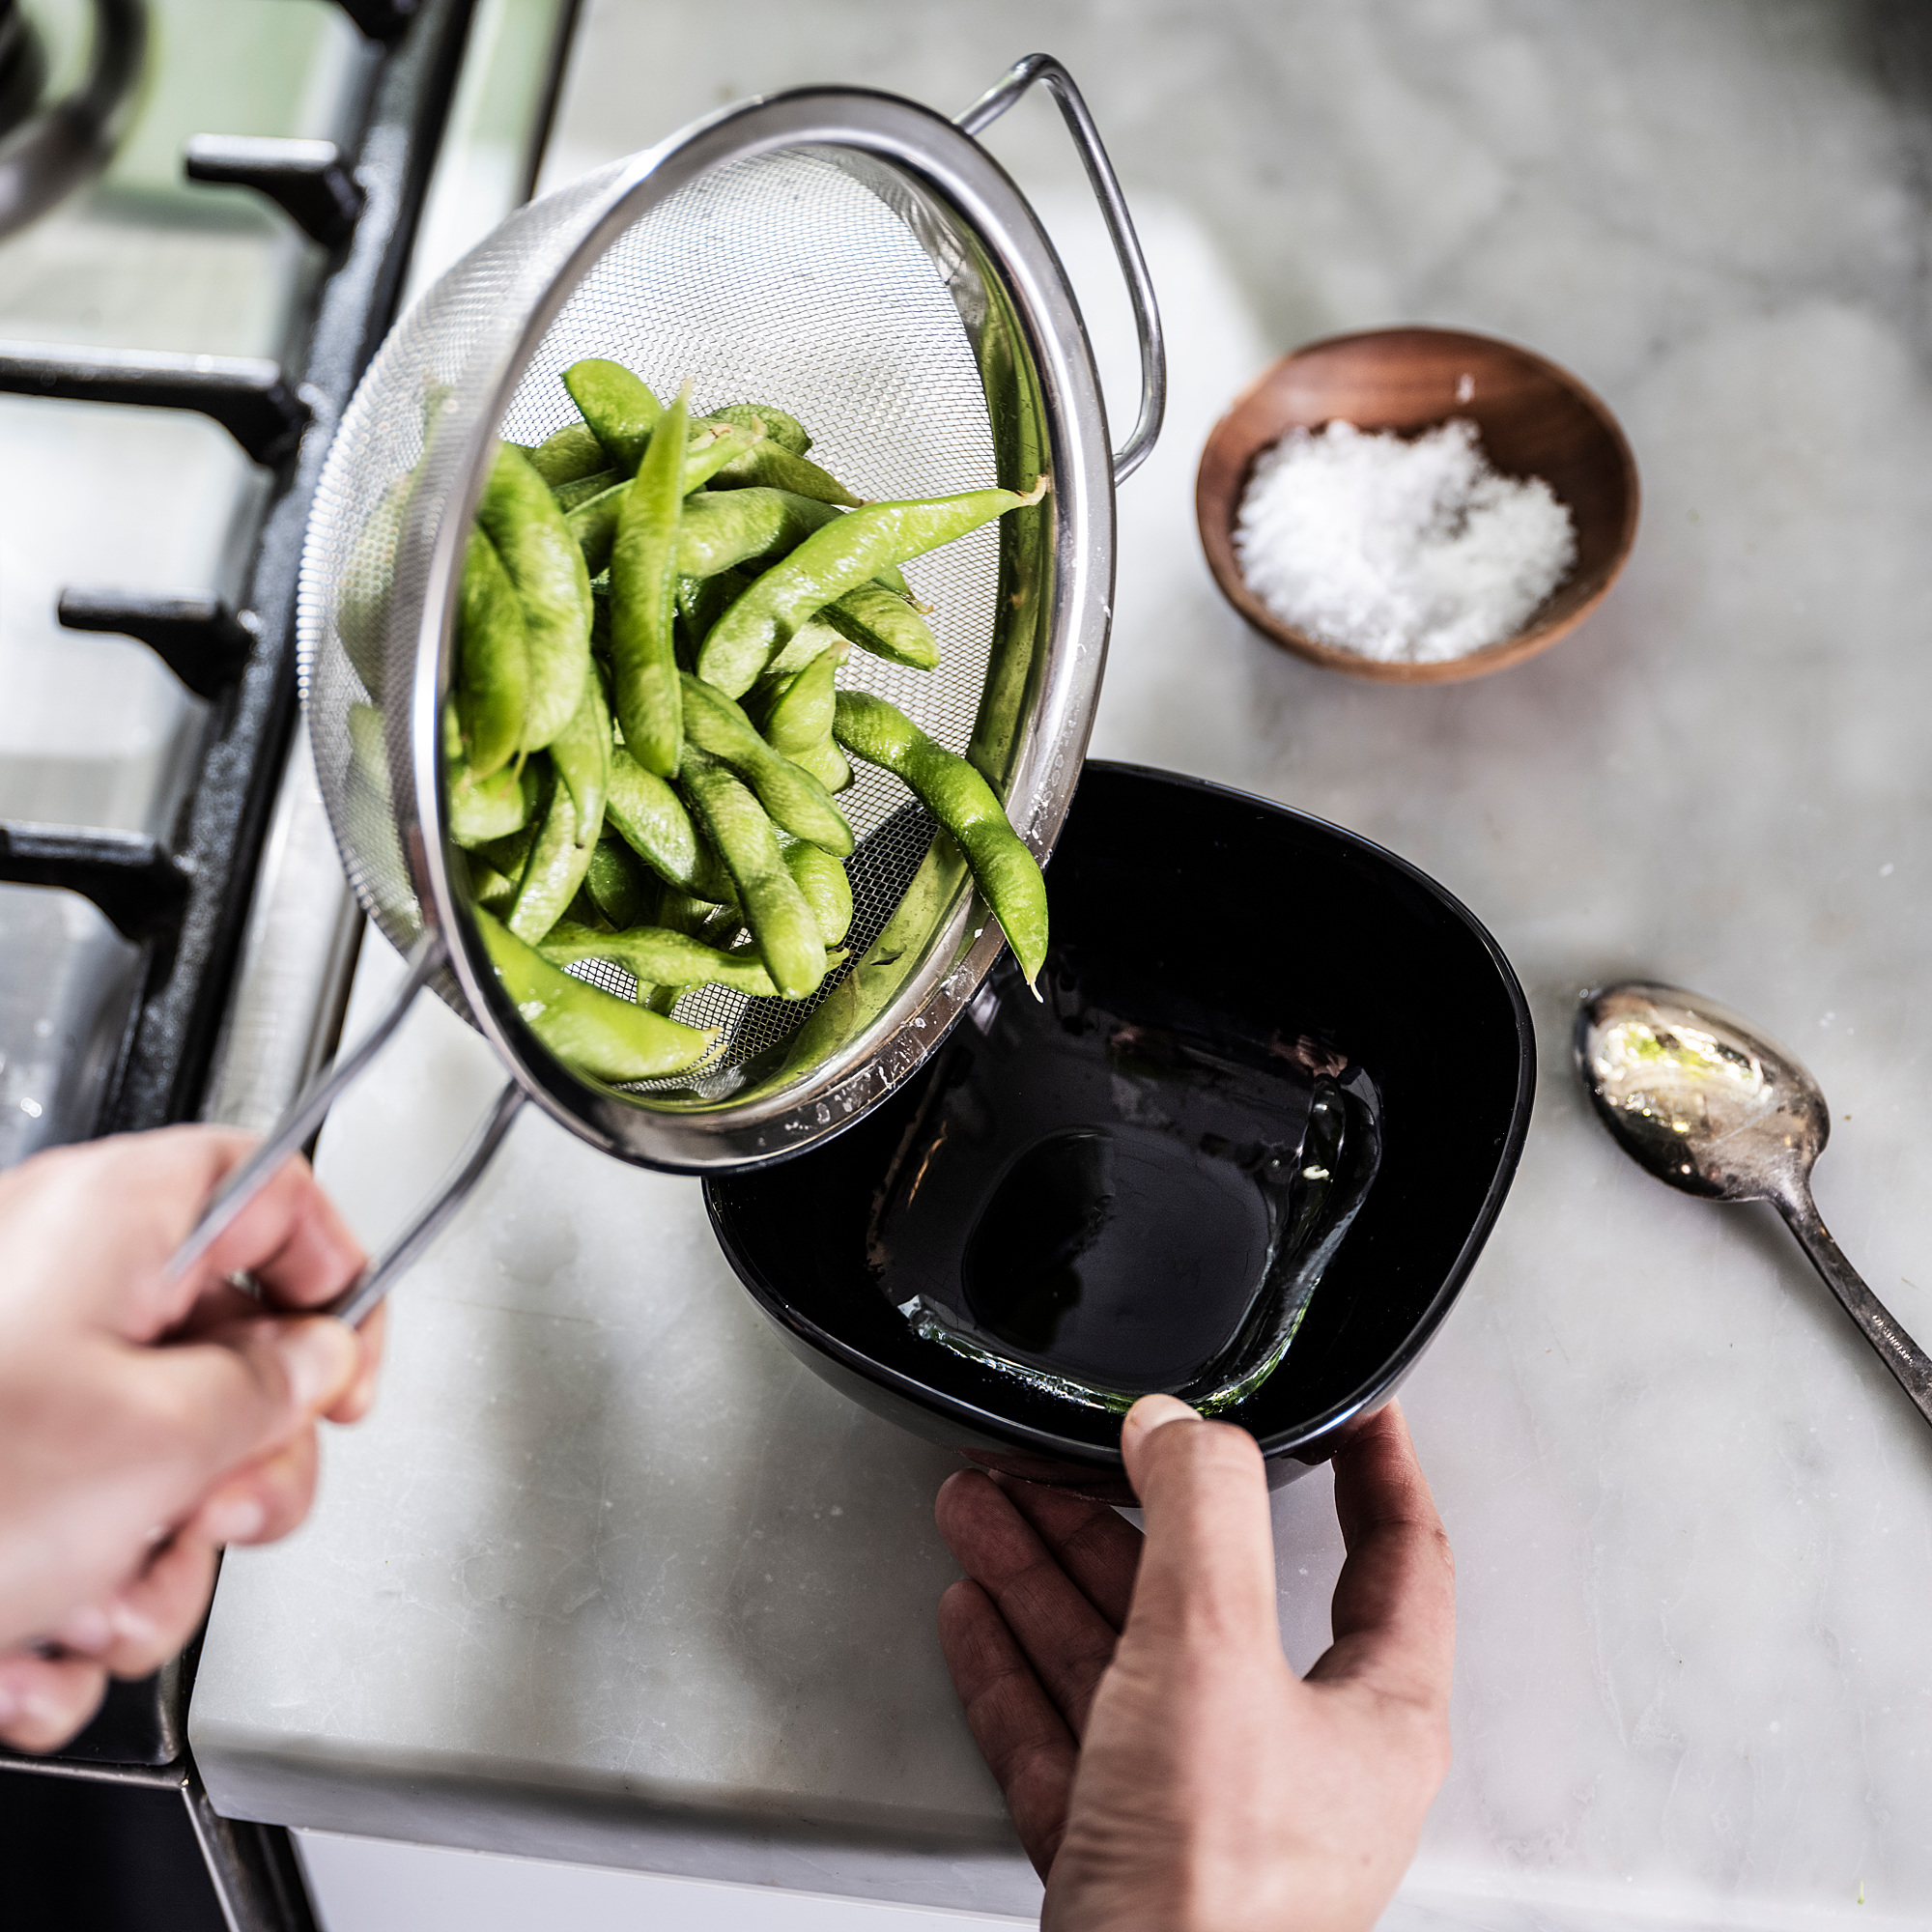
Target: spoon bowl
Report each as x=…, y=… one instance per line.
x=1696, y=1096
x=1701, y=1099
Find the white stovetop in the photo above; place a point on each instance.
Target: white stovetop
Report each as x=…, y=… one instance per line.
x=604, y=1537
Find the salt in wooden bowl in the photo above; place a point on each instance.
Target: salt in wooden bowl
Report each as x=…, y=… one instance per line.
x=1535, y=420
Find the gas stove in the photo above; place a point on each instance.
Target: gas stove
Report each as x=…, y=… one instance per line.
x=208, y=212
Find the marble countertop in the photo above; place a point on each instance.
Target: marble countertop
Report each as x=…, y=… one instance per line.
x=610, y=1577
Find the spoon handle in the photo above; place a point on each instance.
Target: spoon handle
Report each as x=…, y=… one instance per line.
x=1897, y=1350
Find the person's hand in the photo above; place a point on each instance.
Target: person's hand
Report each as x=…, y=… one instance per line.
x=1165, y=1769
x=142, y=1424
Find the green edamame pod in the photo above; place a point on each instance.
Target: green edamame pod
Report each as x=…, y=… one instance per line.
x=556, y=868
x=569, y=456
x=831, y=561
x=800, y=714
x=489, y=888
x=368, y=758
x=811, y=638
x=885, y=625
x=510, y=854
x=594, y=518
x=520, y=516
x=600, y=616
x=791, y=797
x=581, y=755
x=825, y=886
x=713, y=449
x=783, y=927
x=618, y=407
x=493, y=661
x=700, y=602
x=656, y=826
x=964, y=803
x=655, y=955
x=644, y=575
x=767, y=462
x=621, y=884
x=827, y=764
x=482, y=810
x=699, y=917
x=362, y=619
x=784, y=429
x=569, y=496
x=725, y=528
x=582, y=908
x=593, y=523
x=593, y=1031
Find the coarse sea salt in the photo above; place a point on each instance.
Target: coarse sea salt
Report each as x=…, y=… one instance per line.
x=1410, y=550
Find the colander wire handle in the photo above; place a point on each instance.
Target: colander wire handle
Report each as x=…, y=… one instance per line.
x=361, y=1296
x=1106, y=184
x=306, y=1113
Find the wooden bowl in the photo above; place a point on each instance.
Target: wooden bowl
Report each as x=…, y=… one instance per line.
x=1535, y=418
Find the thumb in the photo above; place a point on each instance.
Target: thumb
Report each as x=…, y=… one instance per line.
x=1206, y=1570
x=247, y=1386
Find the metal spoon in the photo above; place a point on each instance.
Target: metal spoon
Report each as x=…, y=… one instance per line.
x=1698, y=1097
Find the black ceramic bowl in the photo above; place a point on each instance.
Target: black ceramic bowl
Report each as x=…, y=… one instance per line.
x=1272, y=936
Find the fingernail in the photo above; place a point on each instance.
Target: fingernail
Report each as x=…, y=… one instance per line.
x=320, y=1358
x=1155, y=1411
x=85, y=1630
x=131, y=1624
x=234, y=1519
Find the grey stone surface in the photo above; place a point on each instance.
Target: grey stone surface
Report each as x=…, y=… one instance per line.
x=588, y=1546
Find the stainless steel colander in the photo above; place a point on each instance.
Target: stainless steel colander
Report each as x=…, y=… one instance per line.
x=861, y=262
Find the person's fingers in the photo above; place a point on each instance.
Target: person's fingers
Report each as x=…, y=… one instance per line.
x=216, y=1307
x=121, y=1207
x=1394, y=1613
x=361, y=1394
x=1207, y=1570
x=220, y=1402
x=291, y=1238
x=263, y=1500
x=44, y=1700
x=1024, y=1739
x=1067, y=1640
x=155, y=1614
x=1087, y=1539
x=225, y=1303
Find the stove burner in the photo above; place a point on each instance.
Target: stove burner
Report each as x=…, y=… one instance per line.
x=23, y=67
x=47, y=157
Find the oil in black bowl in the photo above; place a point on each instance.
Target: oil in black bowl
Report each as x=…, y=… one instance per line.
x=1104, y=1196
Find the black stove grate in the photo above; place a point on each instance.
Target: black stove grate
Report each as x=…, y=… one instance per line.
x=184, y=899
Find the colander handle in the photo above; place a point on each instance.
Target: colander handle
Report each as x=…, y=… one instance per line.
x=305, y=1115
x=362, y=1295
x=988, y=109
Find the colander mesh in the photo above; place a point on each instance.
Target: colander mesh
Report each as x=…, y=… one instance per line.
x=801, y=277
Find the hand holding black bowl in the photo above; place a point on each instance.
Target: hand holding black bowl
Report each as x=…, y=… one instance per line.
x=1163, y=1765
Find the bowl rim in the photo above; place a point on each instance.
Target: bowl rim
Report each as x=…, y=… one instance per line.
x=1374, y=1389
x=1506, y=651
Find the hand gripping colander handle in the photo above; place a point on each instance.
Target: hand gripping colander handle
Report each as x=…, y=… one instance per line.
x=305, y=1115
x=988, y=109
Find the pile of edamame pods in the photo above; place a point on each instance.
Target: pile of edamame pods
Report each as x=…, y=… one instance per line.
x=645, y=736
